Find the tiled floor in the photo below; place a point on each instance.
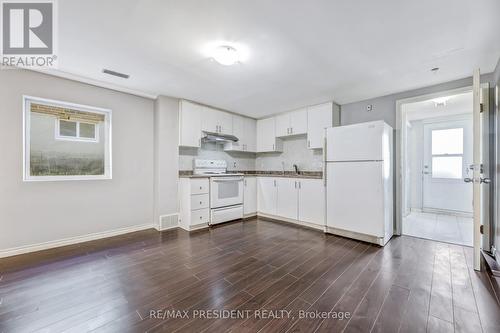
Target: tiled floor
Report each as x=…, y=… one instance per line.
x=440, y=227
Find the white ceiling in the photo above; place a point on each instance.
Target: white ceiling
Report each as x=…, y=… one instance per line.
x=455, y=105
x=300, y=52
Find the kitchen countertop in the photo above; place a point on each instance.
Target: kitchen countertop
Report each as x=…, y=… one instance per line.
x=287, y=174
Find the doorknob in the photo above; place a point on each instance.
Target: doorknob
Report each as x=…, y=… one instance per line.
x=468, y=180
x=485, y=180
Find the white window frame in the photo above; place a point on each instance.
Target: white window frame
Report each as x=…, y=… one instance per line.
x=78, y=138
x=27, y=100
x=449, y=155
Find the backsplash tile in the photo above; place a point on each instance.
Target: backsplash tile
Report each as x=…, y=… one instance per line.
x=212, y=151
x=295, y=151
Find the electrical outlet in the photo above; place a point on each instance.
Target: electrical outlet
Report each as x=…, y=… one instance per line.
x=369, y=107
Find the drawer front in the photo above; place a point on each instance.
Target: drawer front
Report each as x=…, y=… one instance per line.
x=220, y=215
x=199, y=201
x=200, y=216
x=199, y=186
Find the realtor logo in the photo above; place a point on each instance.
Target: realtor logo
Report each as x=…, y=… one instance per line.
x=28, y=30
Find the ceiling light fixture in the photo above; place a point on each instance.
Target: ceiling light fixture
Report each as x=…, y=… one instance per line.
x=226, y=55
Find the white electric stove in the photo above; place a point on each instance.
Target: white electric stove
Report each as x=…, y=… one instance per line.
x=226, y=190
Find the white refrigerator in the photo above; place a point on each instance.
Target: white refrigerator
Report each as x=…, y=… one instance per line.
x=359, y=176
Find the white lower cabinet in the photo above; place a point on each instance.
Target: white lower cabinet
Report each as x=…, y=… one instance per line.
x=294, y=199
x=266, y=195
x=194, y=203
x=311, y=201
x=250, y=196
x=286, y=199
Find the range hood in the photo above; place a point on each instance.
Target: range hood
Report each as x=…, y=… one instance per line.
x=218, y=137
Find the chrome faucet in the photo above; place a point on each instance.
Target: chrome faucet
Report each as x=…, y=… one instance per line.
x=296, y=169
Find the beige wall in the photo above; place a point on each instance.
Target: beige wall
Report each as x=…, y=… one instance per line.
x=36, y=212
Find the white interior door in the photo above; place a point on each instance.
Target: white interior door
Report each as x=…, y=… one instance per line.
x=446, y=159
x=480, y=167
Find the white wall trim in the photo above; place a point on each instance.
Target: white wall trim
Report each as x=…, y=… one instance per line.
x=73, y=240
x=93, y=82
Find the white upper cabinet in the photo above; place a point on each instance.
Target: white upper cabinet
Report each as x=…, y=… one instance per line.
x=319, y=117
x=189, y=124
x=250, y=131
x=216, y=121
x=282, y=125
x=298, y=122
x=245, y=130
x=239, y=127
x=291, y=123
x=266, y=136
x=225, y=122
x=209, y=121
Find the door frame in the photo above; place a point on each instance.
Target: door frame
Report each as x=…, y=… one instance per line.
x=400, y=138
x=444, y=123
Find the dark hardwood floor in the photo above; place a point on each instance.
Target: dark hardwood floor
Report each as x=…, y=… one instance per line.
x=144, y=281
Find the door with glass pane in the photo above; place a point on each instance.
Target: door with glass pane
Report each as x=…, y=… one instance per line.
x=447, y=155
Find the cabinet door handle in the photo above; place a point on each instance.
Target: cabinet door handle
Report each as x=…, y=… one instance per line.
x=300, y=185
x=275, y=183
x=291, y=130
x=201, y=202
x=295, y=184
x=201, y=188
x=273, y=146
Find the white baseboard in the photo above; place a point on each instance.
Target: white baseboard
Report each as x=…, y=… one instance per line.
x=194, y=227
x=284, y=219
x=354, y=235
x=447, y=212
x=73, y=240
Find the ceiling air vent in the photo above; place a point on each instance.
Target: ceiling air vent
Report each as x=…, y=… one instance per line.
x=109, y=72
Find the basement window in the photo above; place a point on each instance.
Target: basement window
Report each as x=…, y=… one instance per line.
x=76, y=131
x=65, y=141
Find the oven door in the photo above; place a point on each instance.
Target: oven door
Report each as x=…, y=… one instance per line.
x=226, y=191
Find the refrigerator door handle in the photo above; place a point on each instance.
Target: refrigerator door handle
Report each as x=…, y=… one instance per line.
x=324, y=157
